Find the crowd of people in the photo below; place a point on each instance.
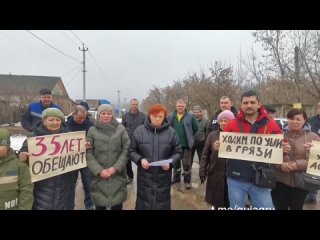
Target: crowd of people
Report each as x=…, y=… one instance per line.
x=163, y=146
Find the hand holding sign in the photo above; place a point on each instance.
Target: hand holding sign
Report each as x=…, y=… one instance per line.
x=216, y=145
x=308, y=146
x=24, y=156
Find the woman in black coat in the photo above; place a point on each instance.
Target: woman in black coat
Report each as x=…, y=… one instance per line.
x=214, y=168
x=58, y=192
x=154, y=141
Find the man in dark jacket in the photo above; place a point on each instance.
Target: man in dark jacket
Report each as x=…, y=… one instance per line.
x=315, y=127
x=131, y=120
x=225, y=104
x=32, y=117
x=79, y=121
x=200, y=136
x=252, y=118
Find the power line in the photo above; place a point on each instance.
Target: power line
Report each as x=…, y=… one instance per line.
x=69, y=38
x=76, y=36
x=71, y=70
x=52, y=46
x=73, y=78
x=105, y=78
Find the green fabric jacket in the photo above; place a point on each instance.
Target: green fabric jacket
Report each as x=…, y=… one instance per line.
x=186, y=128
x=16, y=188
x=110, y=149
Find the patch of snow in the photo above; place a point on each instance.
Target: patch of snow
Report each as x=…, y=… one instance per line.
x=5, y=125
x=18, y=124
x=17, y=141
x=119, y=120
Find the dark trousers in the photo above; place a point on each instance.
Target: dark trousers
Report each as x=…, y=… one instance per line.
x=129, y=169
x=186, y=165
x=285, y=197
x=199, y=149
x=85, y=178
x=115, y=207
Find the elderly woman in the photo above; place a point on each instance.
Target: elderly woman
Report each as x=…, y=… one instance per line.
x=58, y=192
x=214, y=168
x=154, y=141
x=298, y=133
x=107, y=160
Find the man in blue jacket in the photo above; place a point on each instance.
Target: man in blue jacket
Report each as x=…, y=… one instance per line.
x=32, y=117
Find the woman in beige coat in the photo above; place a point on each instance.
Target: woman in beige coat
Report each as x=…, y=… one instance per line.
x=298, y=133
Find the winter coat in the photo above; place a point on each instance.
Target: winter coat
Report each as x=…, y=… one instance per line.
x=315, y=124
x=32, y=117
x=214, y=125
x=215, y=169
x=131, y=121
x=16, y=188
x=54, y=193
x=186, y=128
x=110, y=144
x=296, y=139
x=201, y=135
x=154, y=144
x=74, y=126
x=243, y=170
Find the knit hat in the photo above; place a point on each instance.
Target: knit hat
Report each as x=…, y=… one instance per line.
x=4, y=137
x=226, y=114
x=52, y=112
x=84, y=104
x=45, y=91
x=104, y=107
x=197, y=107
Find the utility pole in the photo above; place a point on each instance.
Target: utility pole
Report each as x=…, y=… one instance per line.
x=297, y=72
x=84, y=70
x=119, y=103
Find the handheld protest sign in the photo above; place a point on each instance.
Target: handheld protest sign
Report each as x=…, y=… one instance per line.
x=53, y=155
x=314, y=159
x=251, y=147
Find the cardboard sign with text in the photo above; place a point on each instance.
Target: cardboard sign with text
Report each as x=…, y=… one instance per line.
x=314, y=159
x=252, y=147
x=53, y=155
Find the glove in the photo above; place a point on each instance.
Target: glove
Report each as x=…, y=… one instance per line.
x=202, y=179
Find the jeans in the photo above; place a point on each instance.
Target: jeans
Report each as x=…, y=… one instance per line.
x=85, y=177
x=312, y=195
x=260, y=197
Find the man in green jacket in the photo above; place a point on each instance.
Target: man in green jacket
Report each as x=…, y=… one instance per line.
x=185, y=126
x=16, y=188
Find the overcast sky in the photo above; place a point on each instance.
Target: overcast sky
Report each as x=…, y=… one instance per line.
x=129, y=61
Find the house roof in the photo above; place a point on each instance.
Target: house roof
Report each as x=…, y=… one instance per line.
x=22, y=84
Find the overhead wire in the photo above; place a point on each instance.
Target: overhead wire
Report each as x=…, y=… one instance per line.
x=64, y=74
x=73, y=78
x=76, y=36
x=52, y=46
x=105, y=78
x=69, y=38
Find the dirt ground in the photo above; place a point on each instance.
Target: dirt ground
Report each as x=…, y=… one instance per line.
x=181, y=199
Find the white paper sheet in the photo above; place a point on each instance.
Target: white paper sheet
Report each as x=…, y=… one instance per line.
x=160, y=163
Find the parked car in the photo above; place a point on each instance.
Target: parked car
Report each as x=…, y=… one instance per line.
x=282, y=122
